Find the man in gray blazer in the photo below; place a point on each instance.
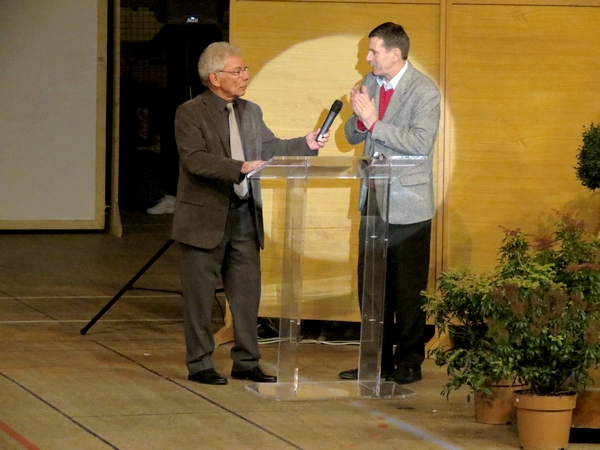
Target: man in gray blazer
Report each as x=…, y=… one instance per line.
x=220, y=231
x=397, y=112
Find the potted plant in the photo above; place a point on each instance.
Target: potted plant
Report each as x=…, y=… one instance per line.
x=546, y=324
x=588, y=172
x=551, y=340
x=588, y=158
x=459, y=309
x=540, y=309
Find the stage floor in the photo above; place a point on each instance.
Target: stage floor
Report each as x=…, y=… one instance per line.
x=123, y=384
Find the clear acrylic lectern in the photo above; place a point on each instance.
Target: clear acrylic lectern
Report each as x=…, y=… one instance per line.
x=374, y=175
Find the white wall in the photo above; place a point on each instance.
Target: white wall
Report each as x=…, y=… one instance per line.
x=52, y=114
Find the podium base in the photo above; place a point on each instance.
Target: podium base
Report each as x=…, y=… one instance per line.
x=328, y=390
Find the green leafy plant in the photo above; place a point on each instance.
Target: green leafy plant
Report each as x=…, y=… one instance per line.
x=534, y=318
x=547, y=336
x=588, y=158
x=461, y=307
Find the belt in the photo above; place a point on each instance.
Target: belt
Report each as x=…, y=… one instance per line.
x=237, y=202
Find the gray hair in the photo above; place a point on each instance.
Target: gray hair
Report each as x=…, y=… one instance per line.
x=213, y=59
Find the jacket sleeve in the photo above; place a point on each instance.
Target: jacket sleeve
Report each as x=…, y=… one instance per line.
x=353, y=134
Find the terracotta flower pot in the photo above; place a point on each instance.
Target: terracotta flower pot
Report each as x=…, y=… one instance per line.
x=544, y=422
x=499, y=407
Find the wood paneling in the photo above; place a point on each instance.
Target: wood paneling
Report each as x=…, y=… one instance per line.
x=519, y=83
x=520, y=79
x=301, y=60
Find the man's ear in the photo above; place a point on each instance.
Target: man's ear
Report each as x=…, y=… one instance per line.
x=397, y=54
x=214, y=79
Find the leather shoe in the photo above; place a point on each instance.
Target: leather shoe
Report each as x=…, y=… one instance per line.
x=406, y=375
x=352, y=374
x=208, y=376
x=255, y=374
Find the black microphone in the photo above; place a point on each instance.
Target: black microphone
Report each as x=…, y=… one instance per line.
x=333, y=112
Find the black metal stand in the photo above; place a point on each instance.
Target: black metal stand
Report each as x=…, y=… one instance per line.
x=127, y=286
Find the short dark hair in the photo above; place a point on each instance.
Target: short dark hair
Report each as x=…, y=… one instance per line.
x=393, y=36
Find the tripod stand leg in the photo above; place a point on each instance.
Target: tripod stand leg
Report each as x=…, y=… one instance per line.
x=126, y=287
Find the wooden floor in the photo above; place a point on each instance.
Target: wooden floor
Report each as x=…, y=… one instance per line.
x=123, y=384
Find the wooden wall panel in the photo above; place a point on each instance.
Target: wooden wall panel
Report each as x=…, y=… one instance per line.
x=522, y=84
x=302, y=56
x=301, y=59
x=519, y=84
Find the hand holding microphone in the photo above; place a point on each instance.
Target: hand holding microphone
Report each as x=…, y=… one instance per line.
x=316, y=139
x=333, y=112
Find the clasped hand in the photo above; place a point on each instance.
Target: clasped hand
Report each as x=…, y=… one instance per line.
x=363, y=106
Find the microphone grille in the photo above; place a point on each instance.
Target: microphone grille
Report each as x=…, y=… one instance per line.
x=337, y=106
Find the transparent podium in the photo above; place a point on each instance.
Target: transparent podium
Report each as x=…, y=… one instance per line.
x=373, y=177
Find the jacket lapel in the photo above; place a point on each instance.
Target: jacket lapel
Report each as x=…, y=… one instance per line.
x=397, y=100
x=220, y=126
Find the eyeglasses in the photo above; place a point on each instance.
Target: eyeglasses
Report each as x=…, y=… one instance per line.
x=237, y=72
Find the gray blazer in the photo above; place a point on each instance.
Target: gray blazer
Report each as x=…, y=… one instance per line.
x=207, y=172
x=409, y=127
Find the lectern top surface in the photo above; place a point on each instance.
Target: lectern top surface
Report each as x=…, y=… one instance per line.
x=340, y=167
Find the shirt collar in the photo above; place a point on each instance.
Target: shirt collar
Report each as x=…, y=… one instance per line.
x=394, y=81
x=217, y=101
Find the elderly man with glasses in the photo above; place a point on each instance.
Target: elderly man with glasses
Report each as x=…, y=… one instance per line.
x=218, y=214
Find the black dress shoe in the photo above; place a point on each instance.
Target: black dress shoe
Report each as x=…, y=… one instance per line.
x=352, y=374
x=208, y=376
x=406, y=375
x=255, y=374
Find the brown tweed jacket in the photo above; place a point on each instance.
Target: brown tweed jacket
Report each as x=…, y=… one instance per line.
x=207, y=172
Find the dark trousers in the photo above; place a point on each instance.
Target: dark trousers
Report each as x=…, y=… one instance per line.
x=406, y=277
x=236, y=260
